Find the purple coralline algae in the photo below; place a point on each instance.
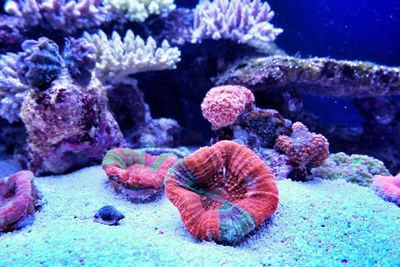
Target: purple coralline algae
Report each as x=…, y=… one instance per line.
x=40, y=63
x=358, y=169
x=59, y=15
x=318, y=76
x=69, y=126
x=306, y=150
x=244, y=21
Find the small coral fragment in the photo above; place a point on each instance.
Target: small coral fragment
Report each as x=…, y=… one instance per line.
x=223, y=192
x=136, y=174
x=388, y=187
x=306, y=150
x=223, y=105
x=19, y=200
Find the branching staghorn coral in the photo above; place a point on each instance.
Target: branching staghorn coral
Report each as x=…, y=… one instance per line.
x=244, y=21
x=117, y=58
x=12, y=91
x=62, y=15
x=139, y=10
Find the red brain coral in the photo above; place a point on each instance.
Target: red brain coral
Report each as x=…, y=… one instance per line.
x=18, y=201
x=306, y=150
x=222, y=105
x=223, y=192
x=139, y=175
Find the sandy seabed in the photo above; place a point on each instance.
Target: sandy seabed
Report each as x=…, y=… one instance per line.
x=319, y=223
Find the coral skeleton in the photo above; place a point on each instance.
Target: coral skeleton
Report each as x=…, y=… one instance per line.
x=117, y=58
x=244, y=21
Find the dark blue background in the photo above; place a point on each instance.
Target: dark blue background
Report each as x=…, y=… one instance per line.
x=343, y=29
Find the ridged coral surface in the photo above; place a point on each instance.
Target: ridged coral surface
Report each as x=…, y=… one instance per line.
x=222, y=105
x=222, y=192
x=388, y=187
x=137, y=174
x=18, y=198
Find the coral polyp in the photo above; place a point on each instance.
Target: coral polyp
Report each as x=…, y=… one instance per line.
x=19, y=200
x=136, y=174
x=223, y=192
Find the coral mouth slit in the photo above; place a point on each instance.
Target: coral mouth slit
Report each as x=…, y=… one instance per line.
x=226, y=205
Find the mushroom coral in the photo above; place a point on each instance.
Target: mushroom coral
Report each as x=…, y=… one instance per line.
x=222, y=192
x=137, y=174
x=19, y=200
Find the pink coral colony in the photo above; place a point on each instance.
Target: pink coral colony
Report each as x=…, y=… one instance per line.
x=222, y=192
x=222, y=105
x=19, y=200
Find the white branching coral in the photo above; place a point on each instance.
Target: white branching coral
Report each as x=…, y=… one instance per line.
x=117, y=58
x=139, y=10
x=245, y=21
x=12, y=91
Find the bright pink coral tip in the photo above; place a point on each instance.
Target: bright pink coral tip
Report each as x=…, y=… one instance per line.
x=222, y=105
x=388, y=187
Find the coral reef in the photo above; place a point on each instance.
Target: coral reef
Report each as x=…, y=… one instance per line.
x=306, y=150
x=223, y=105
x=355, y=168
x=19, y=200
x=139, y=10
x=388, y=187
x=69, y=126
x=58, y=15
x=161, y=132
x=12, y=91
x=319, y=76
x=79, y=57
x=244, y=21
x=40, y=64
x=108, y=215
x=137, y=174
x=223, y=192
x=117, y=58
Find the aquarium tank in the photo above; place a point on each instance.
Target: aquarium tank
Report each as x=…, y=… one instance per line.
x=199, y=133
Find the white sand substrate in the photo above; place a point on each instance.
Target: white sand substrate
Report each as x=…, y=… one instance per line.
x=320, y=223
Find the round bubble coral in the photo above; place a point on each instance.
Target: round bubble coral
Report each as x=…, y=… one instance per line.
x=388, y=187
x=306, y=150
x=222, y=192
x=19, y=200
x=223, y=105
x=137, y=174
